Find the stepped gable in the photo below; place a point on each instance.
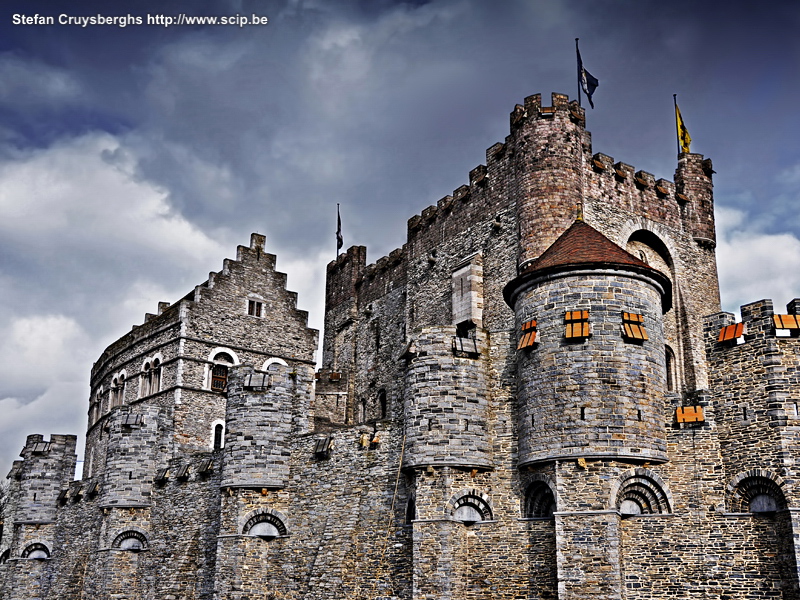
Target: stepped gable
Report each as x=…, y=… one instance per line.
x=582, y=246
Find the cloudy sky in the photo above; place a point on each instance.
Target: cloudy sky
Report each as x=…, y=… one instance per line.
x=134, y=159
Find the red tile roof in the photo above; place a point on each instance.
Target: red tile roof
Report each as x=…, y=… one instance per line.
x=583, y=247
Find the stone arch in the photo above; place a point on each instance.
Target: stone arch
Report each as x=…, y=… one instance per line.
x=756, y=491
x=265, y=523
x=132, y=540
x=220, y=359
x=652, y=234
x=36, y=550
x=470, y=506
x=274, y=360
x=640, y=491
x=540, y=498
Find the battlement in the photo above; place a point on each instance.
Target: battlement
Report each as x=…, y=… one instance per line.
x=46, y=466
x=759, y=322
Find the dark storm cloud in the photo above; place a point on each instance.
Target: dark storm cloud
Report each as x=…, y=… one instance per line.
x=133, y=160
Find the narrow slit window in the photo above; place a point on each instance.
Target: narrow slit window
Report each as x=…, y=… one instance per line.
x=527, y=335
x=577, y=322
x=633, y=327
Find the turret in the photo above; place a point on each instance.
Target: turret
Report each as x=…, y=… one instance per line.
x=551, y=143
x=693, y=183
x=590, y=358
x=446, y=404
x=258, y=425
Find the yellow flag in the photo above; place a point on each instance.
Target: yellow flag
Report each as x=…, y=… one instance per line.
x=683, y=134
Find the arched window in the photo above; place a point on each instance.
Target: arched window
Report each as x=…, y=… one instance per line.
x=219, y=436
x=5, y=556
x=411, y=510
x=144, y=383
x=134, y=541
x=539, y=500
x=756, y=492
x=118, y=390
x=219, y=372
x=266, y=524
x=669, y=355
x=640, y=493
x=155, y=377
x=470, y=507
x=39, y=551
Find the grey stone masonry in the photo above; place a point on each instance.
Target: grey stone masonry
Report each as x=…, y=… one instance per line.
x=446, y=404
x=523, y=401
x=258, y=425
x=600, y=395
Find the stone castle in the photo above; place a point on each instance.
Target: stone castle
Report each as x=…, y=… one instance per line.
x=536, y=397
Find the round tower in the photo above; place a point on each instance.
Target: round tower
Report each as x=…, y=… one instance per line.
x=446, y=404
x=258, y=424
x=550, y=144
x=591, y=364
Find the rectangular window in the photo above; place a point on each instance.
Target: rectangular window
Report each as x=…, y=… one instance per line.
x=689, y=414
x=633, y=327
x=527, y=334
x=219, y=378
x=254, y=308
x=577, y=324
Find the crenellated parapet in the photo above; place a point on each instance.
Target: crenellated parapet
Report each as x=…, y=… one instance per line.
x=754, y=381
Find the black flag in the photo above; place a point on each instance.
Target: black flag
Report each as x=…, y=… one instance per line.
x=339, y=238
x=586, y=80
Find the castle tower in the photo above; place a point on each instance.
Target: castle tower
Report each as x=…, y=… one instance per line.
x=591, y=382
x=553, y=145
x=258, y=424
x=29, y=530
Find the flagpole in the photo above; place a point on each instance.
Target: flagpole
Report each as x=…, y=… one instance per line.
x=677, y=132
x=338, y=230
x=578, y=53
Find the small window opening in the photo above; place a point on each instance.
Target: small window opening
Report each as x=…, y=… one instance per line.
x=466, y=329
x=744, y=413
x=218, y=431
x=254, y=308
x=583, y=413
x=669, y=355
x=411, y=510
x=382, y=402
x=639, y=414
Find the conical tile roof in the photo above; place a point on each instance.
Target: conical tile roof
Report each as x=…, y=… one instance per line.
x=583, y=247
